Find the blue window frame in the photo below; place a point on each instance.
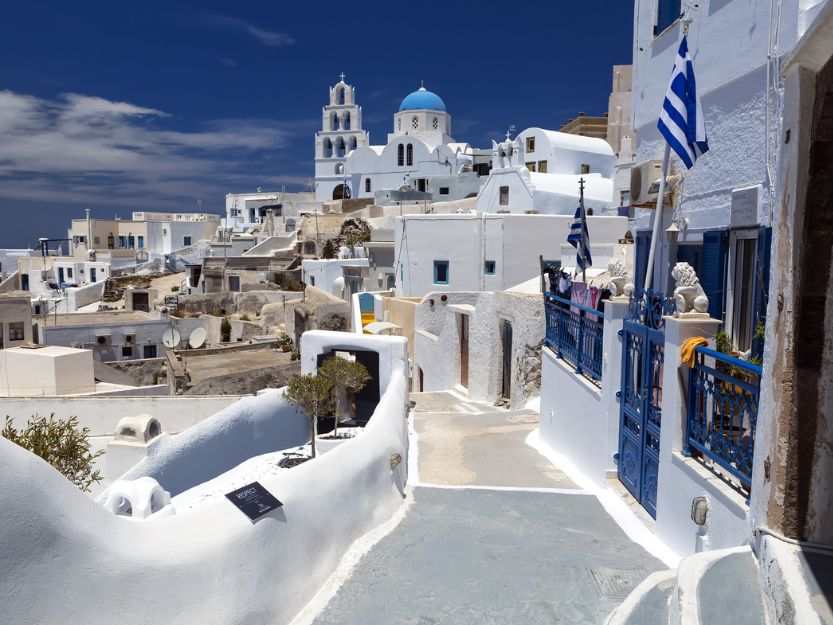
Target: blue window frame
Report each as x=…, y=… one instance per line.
x=141, y=241
x=668, y=12
x=489, y=268
x=186, y=241
x=122, y=241
x=440, y=272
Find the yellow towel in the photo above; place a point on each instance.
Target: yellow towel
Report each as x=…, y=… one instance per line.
x=688, y=350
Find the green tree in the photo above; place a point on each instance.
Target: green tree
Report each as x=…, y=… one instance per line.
x=62, y=443
x=346, y=376
x=314, y=395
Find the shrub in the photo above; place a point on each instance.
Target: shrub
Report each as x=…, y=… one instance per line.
x=330, y=249
x=286, y=282
x=345, y=375
x=62, y=443
x=216, y=313
x=225, y=331
x=175, y=288
x=314, y=395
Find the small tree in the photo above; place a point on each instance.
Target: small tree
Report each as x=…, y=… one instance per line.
x=225, y=330
x=346, y=376
x=62, y=443
x=314, y=395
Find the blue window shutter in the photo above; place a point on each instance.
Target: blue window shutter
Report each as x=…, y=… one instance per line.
x=668, y=11
x=714, y=270
x=693, y=255
x=762, y=255
x=640, y=258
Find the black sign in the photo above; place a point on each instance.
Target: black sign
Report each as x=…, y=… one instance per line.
x=253, y=500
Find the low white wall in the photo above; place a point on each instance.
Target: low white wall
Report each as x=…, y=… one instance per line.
x=81, y=296
x=573, y=420
x=67, y=560
x=578, y=419
x=101, y=415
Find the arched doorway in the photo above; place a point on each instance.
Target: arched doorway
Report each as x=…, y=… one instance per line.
x=341, y=192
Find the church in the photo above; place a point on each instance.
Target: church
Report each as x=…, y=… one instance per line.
x=419, y=151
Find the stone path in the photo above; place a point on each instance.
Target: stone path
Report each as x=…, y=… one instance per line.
x=468, y=553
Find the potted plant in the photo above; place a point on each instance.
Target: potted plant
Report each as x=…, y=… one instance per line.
x=285, y=342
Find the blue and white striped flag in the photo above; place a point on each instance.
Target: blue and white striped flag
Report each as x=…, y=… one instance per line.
x=579, y=237
x=681, y=119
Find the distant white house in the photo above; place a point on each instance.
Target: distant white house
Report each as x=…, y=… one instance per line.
x=489, y=252
x=539, y=171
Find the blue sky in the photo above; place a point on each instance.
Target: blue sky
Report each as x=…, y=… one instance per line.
x=151, y=106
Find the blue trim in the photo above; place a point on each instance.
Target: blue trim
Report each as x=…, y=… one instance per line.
x=437, y=265
x=574, y=337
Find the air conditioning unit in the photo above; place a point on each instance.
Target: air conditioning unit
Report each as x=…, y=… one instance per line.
x=103, y=339
x=129, y=339
x=643, y=178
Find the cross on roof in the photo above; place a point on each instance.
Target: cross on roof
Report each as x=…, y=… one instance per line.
x=342, y=76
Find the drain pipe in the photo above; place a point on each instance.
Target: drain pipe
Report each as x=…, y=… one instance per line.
x=89, y=229
x=803, y=545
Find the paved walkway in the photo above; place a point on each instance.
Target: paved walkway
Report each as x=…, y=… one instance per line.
x=466, y=553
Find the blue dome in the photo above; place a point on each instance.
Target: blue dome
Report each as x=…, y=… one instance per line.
x=422, y=99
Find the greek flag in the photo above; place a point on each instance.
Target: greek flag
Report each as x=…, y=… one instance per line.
x=579, y=238
x=681, y=119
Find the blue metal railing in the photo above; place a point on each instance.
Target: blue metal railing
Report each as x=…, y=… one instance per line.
x=576, y=337
x=723, y=394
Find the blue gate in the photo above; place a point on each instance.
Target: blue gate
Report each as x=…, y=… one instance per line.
x=640, y=399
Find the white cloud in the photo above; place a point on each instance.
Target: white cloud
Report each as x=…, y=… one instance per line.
x=266, y=37
x=89, y=149
x=228, y=62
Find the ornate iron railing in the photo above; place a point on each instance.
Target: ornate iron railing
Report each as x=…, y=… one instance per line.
x=574, y=333
x=648, y=307
x=723, y=411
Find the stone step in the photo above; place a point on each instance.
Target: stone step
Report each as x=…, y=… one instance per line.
x=648, y=603
x=720, y=586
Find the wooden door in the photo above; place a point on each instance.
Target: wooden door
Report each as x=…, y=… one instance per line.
x=464, y=350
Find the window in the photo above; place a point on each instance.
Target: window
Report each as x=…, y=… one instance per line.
x=585, y=168
x=149, y=351
x=530, y=166
x=131, y=241
x=740, y=285
x=347, y=121
x=69, y=272
x=435, y=123
x=440, y=272
x=391, y=281
x=312, y=280
x=92, y=274
x=122, y=241
x=186, y=240
x=489, y=268
x=504, y=196
x=340, y=148
x=542, y=167
x=328, y=150
x=353, y=143
x=111, y=242
x=16, y=331
x=96, y=240
x=443, y=190
x=400, y=155
x=415, y=122
x=399, y=124
x=340, y=95
x=530, y=144
x=339, y=168
x=141, y=242
x=127, y=351
x=367, y=185
x=421, y=184
x=410, y=154
x=668, y=12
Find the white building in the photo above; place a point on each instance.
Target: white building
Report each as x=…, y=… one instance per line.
x=340, y=277
x=245, y=211
x=47, y=370
x=341, y=133
x=489, y=252
x=539, y=171
x=419, y=148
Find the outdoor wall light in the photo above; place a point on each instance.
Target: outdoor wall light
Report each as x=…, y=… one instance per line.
x=699, y=510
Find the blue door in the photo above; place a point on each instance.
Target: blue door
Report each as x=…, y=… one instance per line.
x=640, y=401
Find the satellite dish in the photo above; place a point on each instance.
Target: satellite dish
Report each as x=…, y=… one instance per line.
x=171, y=338
x=197, y=338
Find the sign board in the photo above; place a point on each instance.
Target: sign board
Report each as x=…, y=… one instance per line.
x=172, y=301
x=745, y=203
x=253, y=500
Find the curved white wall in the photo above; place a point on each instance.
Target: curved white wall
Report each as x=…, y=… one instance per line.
x=67, y=560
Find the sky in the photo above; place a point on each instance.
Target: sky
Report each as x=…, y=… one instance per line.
x=118, y=106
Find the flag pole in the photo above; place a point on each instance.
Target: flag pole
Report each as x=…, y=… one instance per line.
x=583, y=227
x=657, y=216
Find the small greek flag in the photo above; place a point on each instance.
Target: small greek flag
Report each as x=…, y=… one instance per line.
x=579, y=238
x=681, y=119
x=346, y=193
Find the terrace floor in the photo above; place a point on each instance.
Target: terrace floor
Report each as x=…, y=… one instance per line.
x=495, y=534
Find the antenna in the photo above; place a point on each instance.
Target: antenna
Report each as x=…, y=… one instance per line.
x=197, y=338
x=171, y=338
